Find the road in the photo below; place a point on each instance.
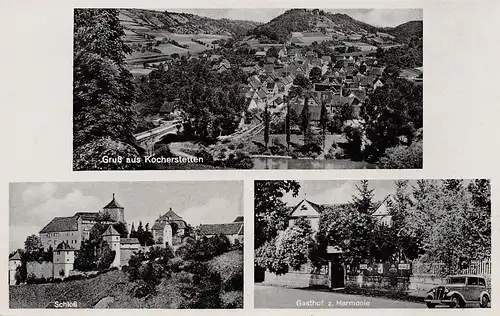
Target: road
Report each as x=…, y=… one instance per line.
x=279, y=297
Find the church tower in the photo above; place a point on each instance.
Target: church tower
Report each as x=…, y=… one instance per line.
x=115, y=210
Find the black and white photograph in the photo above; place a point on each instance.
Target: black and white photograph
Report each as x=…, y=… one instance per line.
x=372, y=244
x=161, y=245
x=256, y=88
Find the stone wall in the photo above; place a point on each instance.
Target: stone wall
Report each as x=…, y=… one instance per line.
x=297, y=280
x=40, y=270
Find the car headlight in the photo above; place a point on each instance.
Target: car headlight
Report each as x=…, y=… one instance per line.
x=446, y=290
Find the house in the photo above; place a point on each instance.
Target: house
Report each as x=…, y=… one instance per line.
x=376, y=71
x=169, y=229
x=311, y=212
x=222, y=66
x=233, y=231
x=313, y=100
x=260, y=54
x=167, y=108
x=74, y=229
x=14, y=263
x=63, y=260
x=215, y=57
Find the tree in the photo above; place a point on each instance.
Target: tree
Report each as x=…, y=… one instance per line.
x=32, y=243
x=287, y=124
x=305, y=117
x=363, y=202
x=315, y=75
x=266, y=126
x=106, y=257
x=392, y=112
x=271, y=213
x=272, y=52
x=323, y=120
x=101, y=86
x=86, y=256
x=303, y=82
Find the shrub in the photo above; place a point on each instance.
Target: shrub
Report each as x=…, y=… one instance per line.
x=235, y=282
x=239, y=160
x=206, y=156
x=231, y=146
x=402, y=157
x=240, y=146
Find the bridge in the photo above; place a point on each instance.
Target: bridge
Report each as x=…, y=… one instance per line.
x=149, y=138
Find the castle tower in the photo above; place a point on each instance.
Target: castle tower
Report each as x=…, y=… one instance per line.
x=112, y=237
x=115, y=210
x=64, y=258
x=14, y=262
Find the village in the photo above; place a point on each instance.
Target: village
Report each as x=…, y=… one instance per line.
x=326, y=92
x=330, y=74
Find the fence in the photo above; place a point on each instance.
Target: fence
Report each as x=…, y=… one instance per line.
x=438, y=269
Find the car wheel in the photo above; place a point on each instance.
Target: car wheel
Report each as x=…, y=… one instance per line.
x=484, y=301
x=456, y=302
x=430, y=305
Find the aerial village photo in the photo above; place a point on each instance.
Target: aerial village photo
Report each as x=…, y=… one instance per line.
x=267, y=88
x=373, y=244
x=126, y=245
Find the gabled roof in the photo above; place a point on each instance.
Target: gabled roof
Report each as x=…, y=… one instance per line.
x=111, y=231
x=359, y=94
x=113, y=203
x=88, y=216
x=167, y=219
x=16, y=256
x=129, y=241
x=318, y=208
x=377, y=71
x=61, y=224
x=225, y=229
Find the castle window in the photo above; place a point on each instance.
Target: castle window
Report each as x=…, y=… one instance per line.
x=48, y=235
x=56, y=234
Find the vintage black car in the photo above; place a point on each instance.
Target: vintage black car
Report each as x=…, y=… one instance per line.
x=460, y=291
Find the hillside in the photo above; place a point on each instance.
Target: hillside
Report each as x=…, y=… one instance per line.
x=404, y=32
x=115, y=288
x=182, y=23
x=300, y=20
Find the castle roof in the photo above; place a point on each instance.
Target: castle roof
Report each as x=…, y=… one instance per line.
x=129, y=241
x=113, y=203
x=111, y=231
x=87, y=215
x=61, y=224
x=64, y=246
x=225, y=229
x=16, y=256
x=167, y=218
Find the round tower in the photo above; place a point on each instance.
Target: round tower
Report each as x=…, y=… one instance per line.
x=115, y=210
x=112, y=237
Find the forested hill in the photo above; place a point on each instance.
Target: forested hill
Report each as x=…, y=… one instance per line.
x=299, y=20
x=408, y=30
x=183, y=23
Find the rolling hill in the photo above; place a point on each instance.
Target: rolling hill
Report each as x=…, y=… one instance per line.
x=182, y=23
x=300, y=20
x=405, y=31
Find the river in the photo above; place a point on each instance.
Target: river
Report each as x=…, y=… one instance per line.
x=287, y=163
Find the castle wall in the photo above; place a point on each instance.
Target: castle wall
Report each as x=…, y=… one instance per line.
x=40, y=270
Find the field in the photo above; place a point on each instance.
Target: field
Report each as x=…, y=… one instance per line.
x=115, y=287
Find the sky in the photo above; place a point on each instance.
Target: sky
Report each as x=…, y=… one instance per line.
x=33, y=205
x=375, y=17
x=338, y=192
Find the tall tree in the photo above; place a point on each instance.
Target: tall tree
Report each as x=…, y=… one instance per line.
x=266, y=126
x=32, y=243
x=271, y=212
x=363, y=202
x=323, y=120
x=287, y=123
x=305, y=116
x=103, y=93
